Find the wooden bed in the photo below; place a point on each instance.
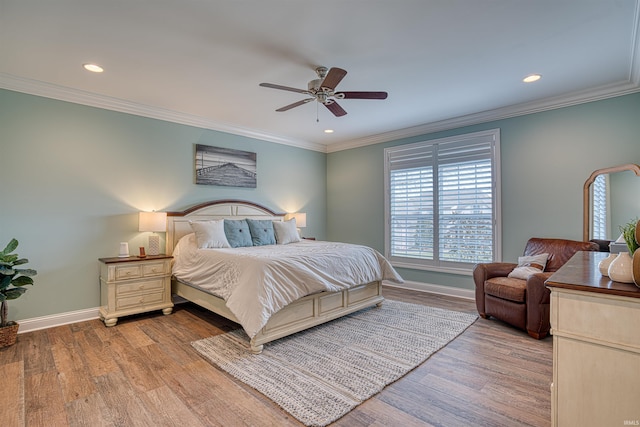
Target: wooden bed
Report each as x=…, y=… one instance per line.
x=302, y=314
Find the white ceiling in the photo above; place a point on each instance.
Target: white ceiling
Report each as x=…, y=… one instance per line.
x=444, y=63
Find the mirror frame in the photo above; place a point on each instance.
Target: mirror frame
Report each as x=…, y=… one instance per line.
x=585, y=192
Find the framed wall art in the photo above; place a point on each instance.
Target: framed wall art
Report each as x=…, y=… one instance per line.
x=225, y=167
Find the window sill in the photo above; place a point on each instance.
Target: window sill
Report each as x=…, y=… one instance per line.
x=438, y=269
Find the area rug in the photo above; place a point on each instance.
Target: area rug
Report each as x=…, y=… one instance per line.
x=321, y=374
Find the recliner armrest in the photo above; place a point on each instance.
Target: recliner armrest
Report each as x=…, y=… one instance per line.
x=538, y=305
x=537, y=292
x=488, y=270
x=485, y=271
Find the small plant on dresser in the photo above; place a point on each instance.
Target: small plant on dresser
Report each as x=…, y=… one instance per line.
x=629, y=234
x=12, y=285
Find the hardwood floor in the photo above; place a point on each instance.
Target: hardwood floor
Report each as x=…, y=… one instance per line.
x=143, y=372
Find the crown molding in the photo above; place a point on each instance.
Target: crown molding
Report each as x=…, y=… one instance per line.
x=575, y=98
x=61, y=93
x=625, y=87
x=634, y=71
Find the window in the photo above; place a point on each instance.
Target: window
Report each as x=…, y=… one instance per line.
x=442, y=202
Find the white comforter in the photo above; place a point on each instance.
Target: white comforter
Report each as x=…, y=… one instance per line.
x=257, y=281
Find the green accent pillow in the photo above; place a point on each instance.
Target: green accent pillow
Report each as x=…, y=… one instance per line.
x=237, y=232
x=261, y=232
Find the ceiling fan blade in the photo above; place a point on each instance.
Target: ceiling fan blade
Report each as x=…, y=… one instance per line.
x=336, y=109
x=291, y=89
x=295, y=104
x=364, y=95
x=334, y=76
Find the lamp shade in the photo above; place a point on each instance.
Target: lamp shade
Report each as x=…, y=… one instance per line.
x=301, y=219
x=152, y=221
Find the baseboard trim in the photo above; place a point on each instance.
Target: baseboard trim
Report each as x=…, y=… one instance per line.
x=435, y=289
x=45, y=322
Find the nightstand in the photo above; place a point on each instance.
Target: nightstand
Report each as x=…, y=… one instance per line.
x=134, y=285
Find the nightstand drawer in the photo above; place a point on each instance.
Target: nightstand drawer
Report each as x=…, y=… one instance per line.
x=128, y=272
x=138, y=300
x=139, y=286
x=153, y=269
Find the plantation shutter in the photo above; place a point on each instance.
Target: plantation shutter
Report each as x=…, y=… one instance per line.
x=441, y=201
x=412, y=204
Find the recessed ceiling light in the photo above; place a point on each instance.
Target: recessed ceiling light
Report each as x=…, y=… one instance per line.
x=328, y=131
x=532, y=78
x=93, y=68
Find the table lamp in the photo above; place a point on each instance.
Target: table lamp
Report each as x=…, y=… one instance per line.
x=154, y=222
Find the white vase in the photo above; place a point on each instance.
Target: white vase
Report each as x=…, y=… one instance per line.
x=621, y=268
x=603, y=266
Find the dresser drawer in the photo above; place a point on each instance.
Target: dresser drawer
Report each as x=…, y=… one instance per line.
x=140, y=286
x=138, y=300
x=592, y=316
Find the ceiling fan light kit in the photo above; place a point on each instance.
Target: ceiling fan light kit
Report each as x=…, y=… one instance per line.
x=323, y=90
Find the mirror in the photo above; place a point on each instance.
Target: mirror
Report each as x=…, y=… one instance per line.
x=622, y=191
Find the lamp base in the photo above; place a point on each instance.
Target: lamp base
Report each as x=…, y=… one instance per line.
x=154, y=245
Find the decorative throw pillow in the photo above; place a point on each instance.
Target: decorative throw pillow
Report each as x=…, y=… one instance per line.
x=237, y=232
x=261, y=232
x=210, y=234
x=528, y=265
x=286, y=231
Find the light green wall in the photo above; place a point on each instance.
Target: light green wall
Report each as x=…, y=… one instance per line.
x=545, y=159
x=74, y=177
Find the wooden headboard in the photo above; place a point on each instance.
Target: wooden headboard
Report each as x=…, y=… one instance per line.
x=178, y=222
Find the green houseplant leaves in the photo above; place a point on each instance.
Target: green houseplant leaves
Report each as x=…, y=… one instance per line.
x=12, y=280
x=629, y=234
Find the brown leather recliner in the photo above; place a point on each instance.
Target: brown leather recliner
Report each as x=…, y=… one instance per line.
x=523, y=303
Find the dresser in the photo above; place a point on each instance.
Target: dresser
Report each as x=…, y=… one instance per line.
x=134, y=285
x=595, y=324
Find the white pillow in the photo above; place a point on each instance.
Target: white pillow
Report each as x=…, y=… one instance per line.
x=528, y=265
x=286, y=231
x=210, y=234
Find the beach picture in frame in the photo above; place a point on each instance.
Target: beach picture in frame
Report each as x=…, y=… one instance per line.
x=225, y=167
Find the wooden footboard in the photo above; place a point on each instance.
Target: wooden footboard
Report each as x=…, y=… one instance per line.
x=302, y=314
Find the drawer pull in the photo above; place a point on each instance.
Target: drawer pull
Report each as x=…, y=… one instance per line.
x=141, y=287
x=128, y=273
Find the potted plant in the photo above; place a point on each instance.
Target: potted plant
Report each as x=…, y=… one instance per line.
x=629, y=234
x=621, y=268
x=12, y=285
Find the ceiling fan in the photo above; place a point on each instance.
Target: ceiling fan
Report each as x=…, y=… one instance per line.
x=323, y=90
